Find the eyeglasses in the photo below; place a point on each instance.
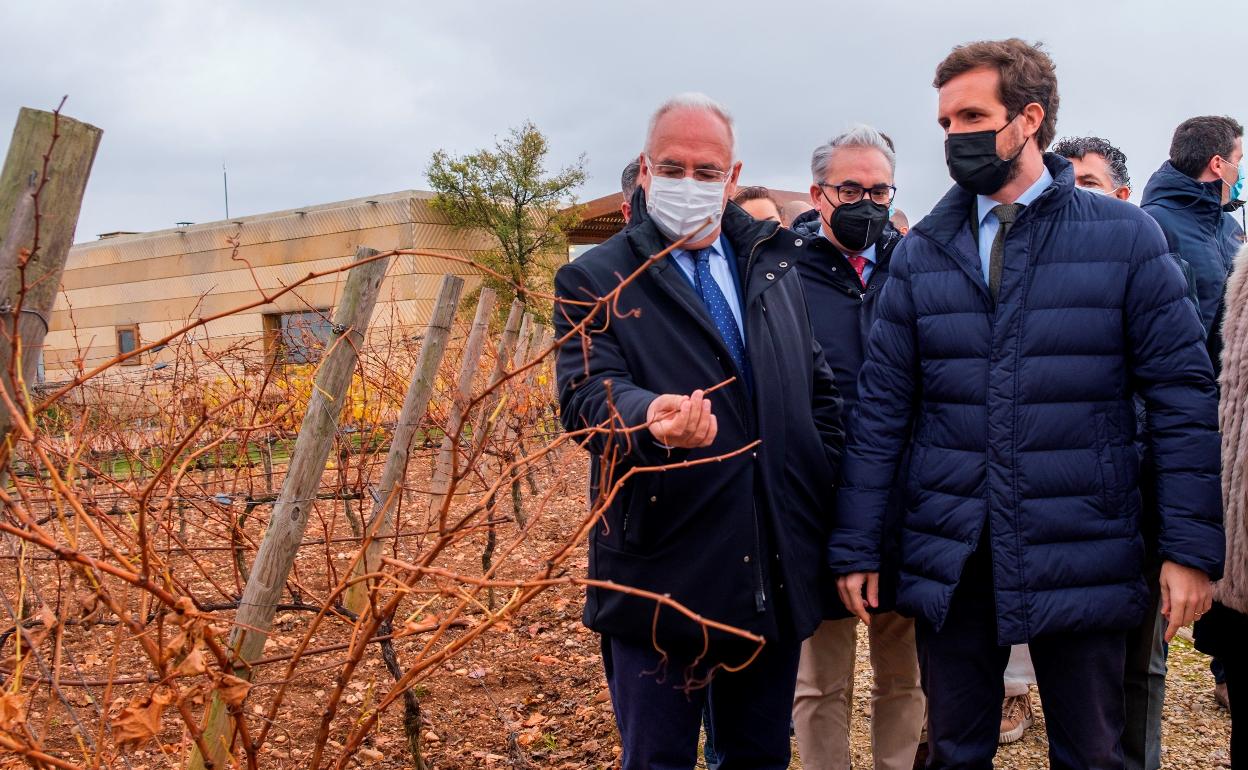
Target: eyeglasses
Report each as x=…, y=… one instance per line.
x=668, y=171
x=852, y=193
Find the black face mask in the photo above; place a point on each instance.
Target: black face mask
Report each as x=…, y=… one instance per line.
x=857, y=226
x=974, y=163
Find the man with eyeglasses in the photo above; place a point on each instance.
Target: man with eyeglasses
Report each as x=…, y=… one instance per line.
x=1021, y=319
x=731, y=529
x=849, y=245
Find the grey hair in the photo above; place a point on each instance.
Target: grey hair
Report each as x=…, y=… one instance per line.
x=860, y=135
x=692, y=100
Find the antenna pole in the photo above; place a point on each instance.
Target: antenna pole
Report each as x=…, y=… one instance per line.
x=225, y=178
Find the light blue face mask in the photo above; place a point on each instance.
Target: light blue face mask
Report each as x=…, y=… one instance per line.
x=1237, y=189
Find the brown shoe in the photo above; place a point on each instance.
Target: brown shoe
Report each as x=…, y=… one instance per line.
x=1221, y=697
x=1015, y=718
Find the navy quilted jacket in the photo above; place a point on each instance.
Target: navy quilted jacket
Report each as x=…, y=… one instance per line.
x=1023, y=420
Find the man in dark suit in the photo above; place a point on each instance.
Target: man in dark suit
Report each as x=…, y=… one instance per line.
x=736, y=541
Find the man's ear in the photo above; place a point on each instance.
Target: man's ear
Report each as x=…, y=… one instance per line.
x=1123, y=193
x=731, y=187
x=1033, y=118
x=815, y=192
x=1216, y=167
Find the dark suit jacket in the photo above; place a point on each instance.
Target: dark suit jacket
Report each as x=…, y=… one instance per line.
x=738, y=541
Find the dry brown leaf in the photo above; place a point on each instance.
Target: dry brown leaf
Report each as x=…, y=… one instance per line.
x=184, y=611
x=535, y=719
x=12, y=711
x=193, y=664
x=527, y=738
x=139, y=721
x=233, y=690
x=179, y=642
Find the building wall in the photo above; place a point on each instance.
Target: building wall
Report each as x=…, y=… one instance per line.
x=162, y=281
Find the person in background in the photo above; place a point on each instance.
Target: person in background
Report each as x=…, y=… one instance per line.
x=739, y=539
x=791, y=210
x=1223, y=632
x=1021, y=318
x=628, y=186
x=900, y=221
x=849, y=243
x=1016, y=710
x=1102, y=168
x=1099, y=166
x=758, y=202
x=1191, y=197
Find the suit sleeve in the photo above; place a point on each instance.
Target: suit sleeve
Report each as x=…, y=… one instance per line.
x=1170, y=370
x=595, y=384
x=879, y=429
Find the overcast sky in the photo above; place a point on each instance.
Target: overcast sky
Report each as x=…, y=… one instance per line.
x=311, y=102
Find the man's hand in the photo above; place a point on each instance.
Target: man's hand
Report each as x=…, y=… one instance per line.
x=683, y=422
x=851, y=586
x=1186, y=594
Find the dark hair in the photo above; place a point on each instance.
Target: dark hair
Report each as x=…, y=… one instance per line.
x=1078, y=146
x=1027, y=75
x=755, y=193
x=628, y=179
x=1196, y=140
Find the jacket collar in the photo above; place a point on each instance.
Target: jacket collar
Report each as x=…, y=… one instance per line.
x=951, y=216
x=1172, y=189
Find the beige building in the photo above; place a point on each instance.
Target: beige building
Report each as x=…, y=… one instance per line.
x=127, y=289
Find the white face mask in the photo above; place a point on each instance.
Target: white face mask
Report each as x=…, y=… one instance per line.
x=679, y=207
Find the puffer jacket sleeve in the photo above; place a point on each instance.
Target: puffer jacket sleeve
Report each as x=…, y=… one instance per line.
x=1170, y=369
x=879, y=428
x=595, y=384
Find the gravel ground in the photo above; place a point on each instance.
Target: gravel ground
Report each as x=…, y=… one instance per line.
x=1196, y=731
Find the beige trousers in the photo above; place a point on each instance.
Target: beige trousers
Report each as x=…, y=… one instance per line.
x=825, y=689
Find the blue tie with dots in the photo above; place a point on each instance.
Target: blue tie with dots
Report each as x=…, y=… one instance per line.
x=721, y=314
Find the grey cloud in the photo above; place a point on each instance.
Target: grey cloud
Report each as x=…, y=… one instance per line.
x=317, y=101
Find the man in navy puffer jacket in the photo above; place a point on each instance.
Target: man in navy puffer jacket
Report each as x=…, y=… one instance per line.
x=1021, y=318
x=1189, y=196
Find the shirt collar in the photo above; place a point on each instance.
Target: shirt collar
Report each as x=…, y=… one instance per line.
x=716, y=247
x=867, y=253
x=986, y=205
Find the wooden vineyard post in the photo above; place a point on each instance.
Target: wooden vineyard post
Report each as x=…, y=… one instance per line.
x=289, y=519
x=485, y=425
x=444, y=470
x=506, y=345
x=68, y=166
x=415, y=404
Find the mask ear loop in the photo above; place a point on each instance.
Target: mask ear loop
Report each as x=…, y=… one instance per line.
x=824, y=192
